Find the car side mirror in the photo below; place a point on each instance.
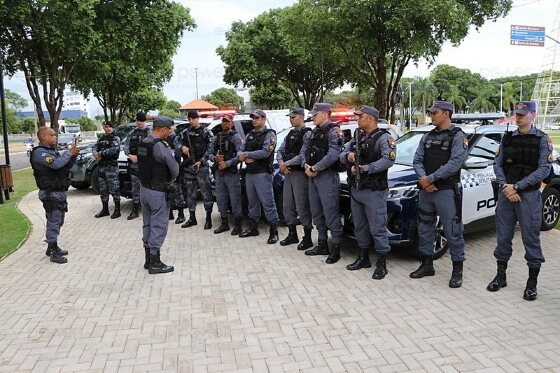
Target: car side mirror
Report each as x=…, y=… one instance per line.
x=475, y=163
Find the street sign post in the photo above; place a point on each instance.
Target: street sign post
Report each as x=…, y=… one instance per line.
x=527, y=35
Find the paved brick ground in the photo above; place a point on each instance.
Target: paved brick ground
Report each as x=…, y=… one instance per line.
x=241, y=305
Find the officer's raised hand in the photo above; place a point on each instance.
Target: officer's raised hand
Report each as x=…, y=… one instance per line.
x=74, y=150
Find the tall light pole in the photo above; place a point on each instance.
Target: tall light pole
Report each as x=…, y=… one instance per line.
x=3, y=104
x=409, y=105
x=196, y=80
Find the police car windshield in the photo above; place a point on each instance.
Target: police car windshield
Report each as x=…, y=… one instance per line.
x=406, y=147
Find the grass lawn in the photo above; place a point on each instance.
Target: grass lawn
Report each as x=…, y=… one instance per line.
x=555, y=137
x=15, y=226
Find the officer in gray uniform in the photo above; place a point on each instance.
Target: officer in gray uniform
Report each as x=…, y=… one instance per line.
x=52, y=175
x=137, y=135
x=437, y=163
x=319, y=154
x=258, y=154
x=196, y=141
x=373, y=156
x=523, y=161
x=225, y=160
x=295, y=194
x=106, y=152
x=178, y=201
x=157, y=168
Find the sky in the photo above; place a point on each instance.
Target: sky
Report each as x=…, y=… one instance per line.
x=486, y=51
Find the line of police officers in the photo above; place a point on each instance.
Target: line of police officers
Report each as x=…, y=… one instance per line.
x=311, y=159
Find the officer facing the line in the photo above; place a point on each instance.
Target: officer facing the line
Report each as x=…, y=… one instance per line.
x=523, y=161
x=157, y=168
x=51, y=170
x=369, y=194
x=106, y=152
x=258, y=153
x=295, y=194
x=319, y=154
x=228, y=186
x=137, y=135
x=437, y=163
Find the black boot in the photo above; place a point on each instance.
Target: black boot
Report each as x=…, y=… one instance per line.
x=54, y=246
x=208, y=223
x=500, y=280
x=251, y=231
x=292, y=236
x=362, y=261
x=530, y=292
x=224, y=226
x=191, y=221
x=104, y=211
x=147, y=262
x=56, y=254
x=171, y=216
x=334, y=255
x=273, y=235
x=425, y=269
x=380, y=267
x=237, y=227
x=180, y=216
x=157, y=266
x=456, y=279
x=321, y=249
x=134, y=213
x=306, y=243
x=117, y=212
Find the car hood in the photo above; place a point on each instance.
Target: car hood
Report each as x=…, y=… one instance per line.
x=397, y=176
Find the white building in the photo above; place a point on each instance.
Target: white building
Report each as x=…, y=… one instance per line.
x=75, y=101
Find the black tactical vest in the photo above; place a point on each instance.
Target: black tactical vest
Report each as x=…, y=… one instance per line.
x=318, y=146
x=521, y=157
x=370, y=151
x=197, y=142
x=136, y=137
x=437, y=151
x=255, y=141
x=152, y=174
x=224, y=144
x=104, y=143
x=49, y=179
x=294, y=142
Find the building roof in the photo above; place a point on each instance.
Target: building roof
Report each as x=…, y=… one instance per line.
x=198, y=104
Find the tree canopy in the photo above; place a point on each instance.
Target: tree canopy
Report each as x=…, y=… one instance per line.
x=225, y=97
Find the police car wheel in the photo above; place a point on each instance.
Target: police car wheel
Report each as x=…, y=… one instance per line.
x=94, y=183
x=440, y=242
x=551, y=208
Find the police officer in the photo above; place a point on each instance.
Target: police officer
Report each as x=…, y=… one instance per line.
x=377, y=152
x=157, y=167
x=52, y=175
x=437, y=163
x=106, y=152
x=295, y=192
x=258, y=154
x=223, y=153
x=320, y=158
x=196, y=142
x=177, y=198
x=137, y=135
x=523, y=161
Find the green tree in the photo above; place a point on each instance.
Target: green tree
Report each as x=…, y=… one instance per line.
x=46, y=40
x=454, y=96
x=482, y=102
x=27, y=125
x=274, y=96
x=14, y=125
x=145, y=100
x=14, y=100
x=424, y=93
x=86, y=124
x=444, y=77
x=224, y=97
x=508, y=97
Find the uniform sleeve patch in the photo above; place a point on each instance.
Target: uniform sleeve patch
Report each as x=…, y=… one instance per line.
x=550, y=158
x=391, y=142
x=392, y=155
x=49, y=159
x=465, y=143
x=550, y=145
x=272, y=139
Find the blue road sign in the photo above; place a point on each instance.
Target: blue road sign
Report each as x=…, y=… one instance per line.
x=527, y=35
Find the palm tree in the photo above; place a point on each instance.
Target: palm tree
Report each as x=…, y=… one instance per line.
x=453, y=95
x=508, y=100
x=424, y=92
x=482, y=102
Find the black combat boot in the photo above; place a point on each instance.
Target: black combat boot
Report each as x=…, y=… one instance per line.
x=530, y=292
x=171, y=216
x=273, y=235
x=180, y=216
x=134, y=213
x=157, y=266
x=456, y=279
x=208, y=223
x=147, y=261
x=362, y=261
x=321, y=249
x=500, y=280
x=252, y=229
x=191, y=221
x=117, y=212
x=292, y=236
x=237, y=227
x=334, y=255
x=56, y=254
x=54, y=246
x=380, y=267
x=104, y=211
x=306, y=242
x=425, y=269
x=224, y=226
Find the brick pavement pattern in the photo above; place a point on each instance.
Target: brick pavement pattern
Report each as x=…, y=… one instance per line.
x=241, y=305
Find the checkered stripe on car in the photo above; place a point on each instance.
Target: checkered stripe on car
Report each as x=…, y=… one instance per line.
x=469, y=180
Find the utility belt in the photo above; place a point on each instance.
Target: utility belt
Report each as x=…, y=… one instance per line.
x=496, y=188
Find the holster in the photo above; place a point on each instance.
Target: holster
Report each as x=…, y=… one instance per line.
x=495, y=188
x=458, y=198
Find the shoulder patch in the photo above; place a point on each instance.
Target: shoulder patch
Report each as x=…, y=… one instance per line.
x=465, y=143
x=391, y=142
x=550, y=158
x=272, y=139
x=549, y=145
x=49, y=159
x=392, y=155
x=339, y=133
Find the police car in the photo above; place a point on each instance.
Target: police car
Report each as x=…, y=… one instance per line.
x=477, y=175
